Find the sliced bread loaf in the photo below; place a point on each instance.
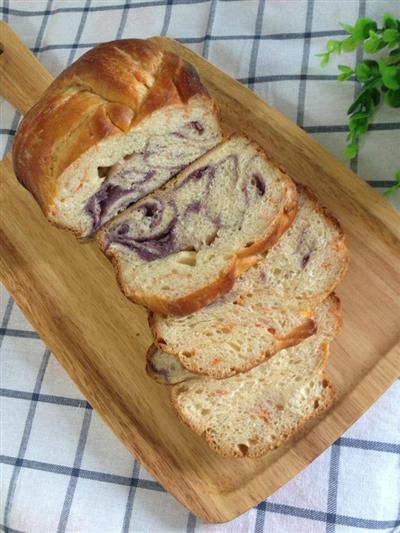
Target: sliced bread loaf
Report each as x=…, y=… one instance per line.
x=114, y=126
x=270, y=306
x=182, y=246
x=251, y=413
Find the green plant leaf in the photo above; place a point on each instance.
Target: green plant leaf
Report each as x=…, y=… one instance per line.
x=363, y=72
x=392, y=98
x=351, y=150
x=391, y=36
x=380, y=80
x=349, y=44
x=333, y=46
x=362, y=28
x=358, y=102
x=347, y=28
x=381, y=45
x=355, y=106
x=344, y=76
x=358, y=125
x=373, y=66
x=391, y=78
x=363, y=127
x=324, y=60
x=394, y=58
x=394, y=187
x=346, y=71
x=388, y=21
x=376, y=96
x=373, y=35
x=381, y=65
x=360, y=115
x=371, y=46
x=345, y=68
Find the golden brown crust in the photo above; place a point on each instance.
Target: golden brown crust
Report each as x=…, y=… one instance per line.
x=107, y=91
x=336, y=311
x=186, y=304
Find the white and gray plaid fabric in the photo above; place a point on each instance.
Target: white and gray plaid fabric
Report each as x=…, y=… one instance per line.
x=61, y=468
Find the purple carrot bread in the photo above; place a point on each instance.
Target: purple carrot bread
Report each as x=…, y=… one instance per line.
x=183, y=246
x=271, y=305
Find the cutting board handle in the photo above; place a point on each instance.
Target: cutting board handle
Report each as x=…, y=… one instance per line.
x=22, y=78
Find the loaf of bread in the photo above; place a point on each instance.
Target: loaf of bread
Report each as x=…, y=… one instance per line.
x=271, y=305
x=114, y=126
x=253, y=412
x=183, y=246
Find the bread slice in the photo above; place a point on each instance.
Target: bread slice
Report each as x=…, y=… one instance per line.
x=114, y=126
x=270, y=306
x=168, y=370
x=305, y=265
x=224, y=339
x=182, y=247
x=251, y=413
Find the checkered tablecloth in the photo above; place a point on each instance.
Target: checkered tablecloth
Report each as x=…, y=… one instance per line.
x=61, y=468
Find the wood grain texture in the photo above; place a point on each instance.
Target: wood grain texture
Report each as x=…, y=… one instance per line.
x=16, y=61
x=68, y=292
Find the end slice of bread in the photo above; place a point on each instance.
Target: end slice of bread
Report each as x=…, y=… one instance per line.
x=253, y=412
x=113, y=127
x=259, y=411
x=183, y=246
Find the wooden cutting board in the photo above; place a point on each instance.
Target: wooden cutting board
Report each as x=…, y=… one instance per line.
x=68, y=292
